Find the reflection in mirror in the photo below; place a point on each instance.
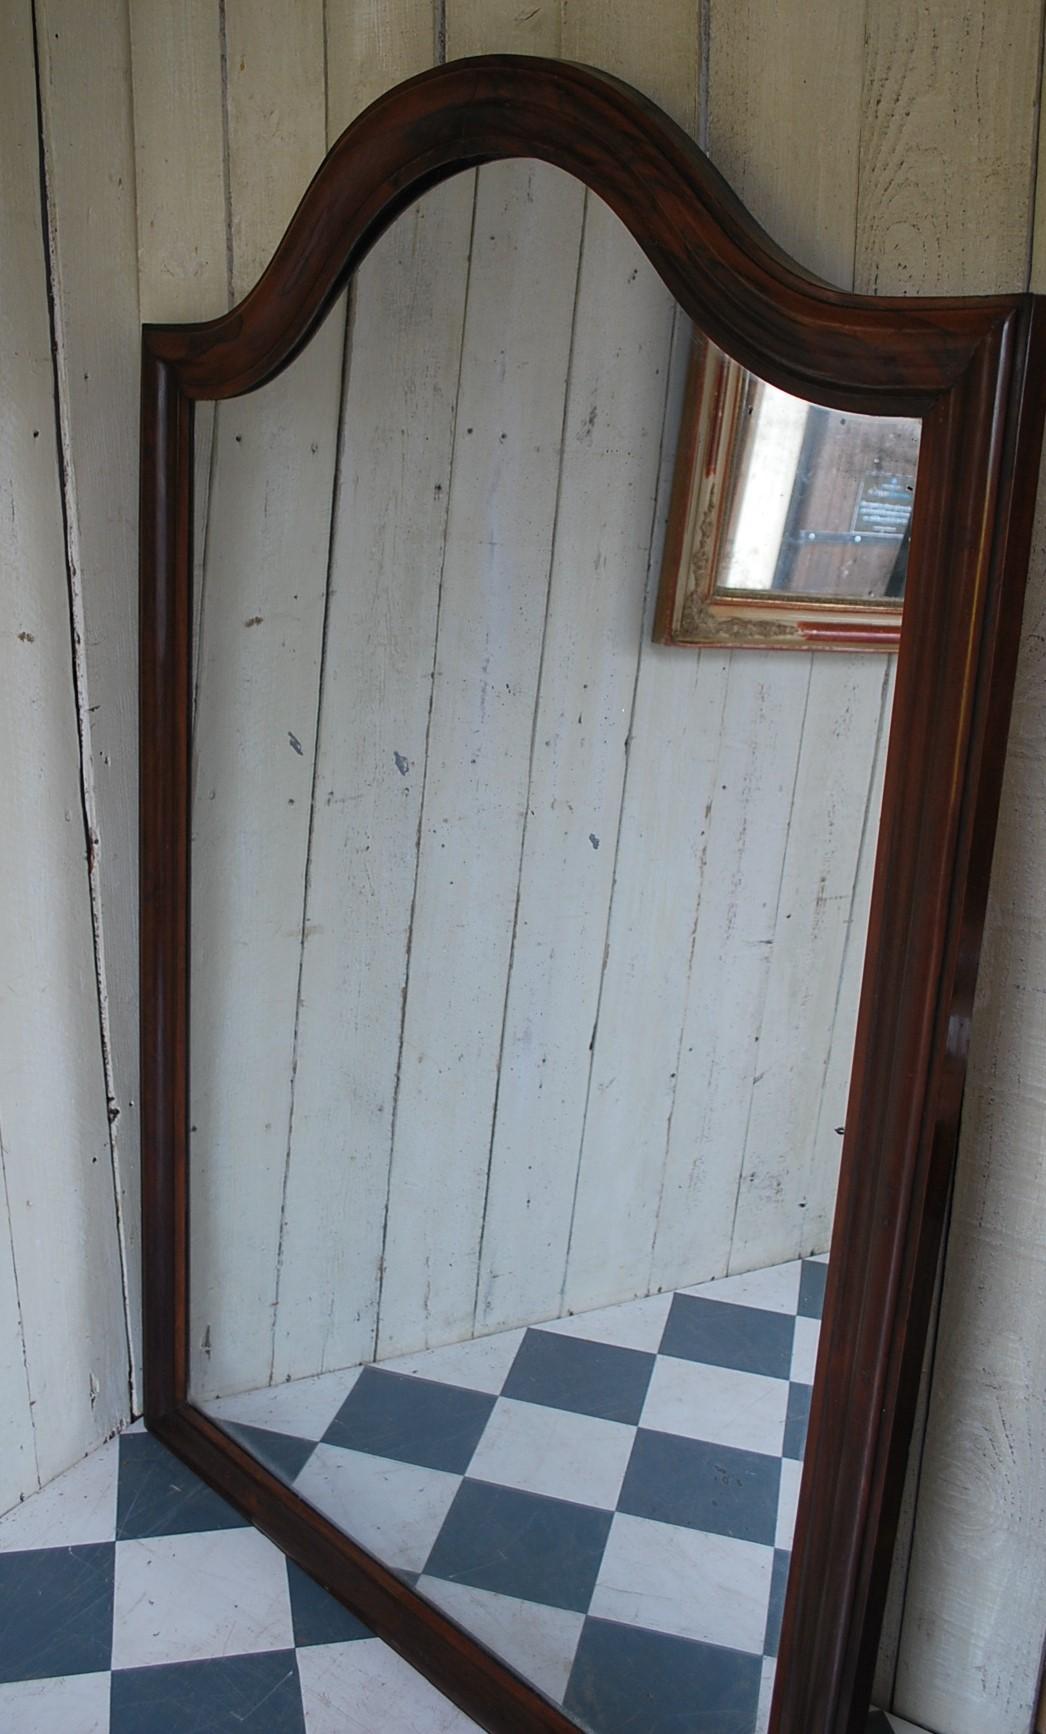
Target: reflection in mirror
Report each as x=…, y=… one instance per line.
x=782, y=509
x=525, y=963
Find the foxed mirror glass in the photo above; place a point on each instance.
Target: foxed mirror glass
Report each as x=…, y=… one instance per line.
x=790, y=522
x=525, y=961
x=507, y=1143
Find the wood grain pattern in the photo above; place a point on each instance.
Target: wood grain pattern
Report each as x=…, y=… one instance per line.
x=179, y=158
x=947, y=142
x=658, y=51
x=781, y=122
x=372, y=45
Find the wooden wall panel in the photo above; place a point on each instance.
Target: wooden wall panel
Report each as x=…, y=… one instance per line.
x=496, y=563
x=90, y=174
x=390, y=524
x=372, y=45
x=262, y=611
x=64, y=1342
x=180, y=172
x=600, y=575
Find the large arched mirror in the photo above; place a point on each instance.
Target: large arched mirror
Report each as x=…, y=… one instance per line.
x=550, y=1101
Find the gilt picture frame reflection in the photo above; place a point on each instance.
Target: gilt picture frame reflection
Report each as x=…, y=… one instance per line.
x=790, y=522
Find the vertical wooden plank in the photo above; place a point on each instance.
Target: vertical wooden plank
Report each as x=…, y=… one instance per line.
x=372, y=45
x=390, y=522
x=277, y=121
x=18, y=1471
x=673, y=763
x=834, y=1090
x=258, y=680
x=947, y=146
x=724, y=932
x=786, y=1190
x=657, y=49
x=502, y=27
x=179, y=159
x=607, y=493
x=60, y=1230
x=91, y=190
x=326, y=1271
x=496, y=572
x=950, y=95
x=782, y=121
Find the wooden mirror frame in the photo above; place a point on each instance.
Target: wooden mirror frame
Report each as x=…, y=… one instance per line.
x=973, y=369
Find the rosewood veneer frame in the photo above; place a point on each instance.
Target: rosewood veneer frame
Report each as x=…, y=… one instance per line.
x=974, y=370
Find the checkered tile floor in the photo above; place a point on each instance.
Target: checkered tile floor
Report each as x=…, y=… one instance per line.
x=607, y=1501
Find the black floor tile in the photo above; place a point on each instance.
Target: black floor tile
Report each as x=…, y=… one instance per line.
x=157, y=1495
x=521, y=1544
x=57, y=1611
x=317, y=1618
x=715, y=1488
x=775, y=1610
x=564, y=1372
x=811, y=1288
x=750, y=1339
x=797, y=1420
x=626, y=1680
x=257, y=1694
x=413, y=1420
x=284, y=1453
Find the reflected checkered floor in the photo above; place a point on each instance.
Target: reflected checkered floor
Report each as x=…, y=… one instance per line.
x=553, y=1489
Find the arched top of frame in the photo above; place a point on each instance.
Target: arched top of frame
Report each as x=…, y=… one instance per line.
x=860, y=352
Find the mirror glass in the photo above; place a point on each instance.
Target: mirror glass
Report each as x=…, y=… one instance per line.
x=525, y=959
x=810, y=501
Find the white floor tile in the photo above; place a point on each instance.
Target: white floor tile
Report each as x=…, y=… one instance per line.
x=685, y=1582
x=75, y=1704
x=394, y=1509
x=720, y=1404
x=480, y=1365
x=766, y=1693
x=360, y=1687
x=776, y=1289
x=636, y=1324
x=539, y=1642
x=553, y=1451
x=182, y=1598
x=79, y=1507
x=305, y=1407
x=788, y=1501
x=804, y=1350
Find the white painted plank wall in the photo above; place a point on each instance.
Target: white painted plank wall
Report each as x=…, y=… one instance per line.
x=390, y=521
x=261, y=631
x=63, y=1338
x=496, y=564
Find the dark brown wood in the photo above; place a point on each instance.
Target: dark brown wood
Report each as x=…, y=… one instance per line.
x=974, y=369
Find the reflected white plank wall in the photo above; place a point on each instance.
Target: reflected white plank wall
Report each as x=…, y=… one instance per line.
x=895, y=150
